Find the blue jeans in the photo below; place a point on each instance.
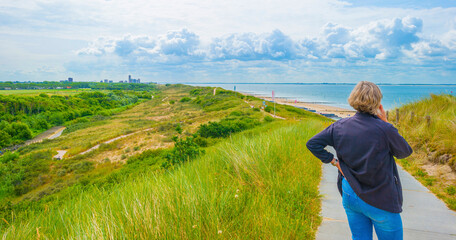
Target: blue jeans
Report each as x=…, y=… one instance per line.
x=361, y=216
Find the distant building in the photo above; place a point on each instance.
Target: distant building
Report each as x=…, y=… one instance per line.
x=132, y=80
x=110, y=81
x=101, y=81
x=106, y=80
x=70, y=79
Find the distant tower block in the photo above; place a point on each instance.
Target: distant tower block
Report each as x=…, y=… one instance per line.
x=133, y=80
x=70, y=79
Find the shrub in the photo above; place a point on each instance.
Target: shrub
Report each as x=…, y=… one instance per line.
x=420, y=173
x=184, y=150
x=81, y=167
x=61, y=172
x=9, y=157
x=268, y=119
x=41, y=155
x=226, y=126
x=179, y=128
x=202, y=142
x=5, y=139
x=20, y=131
x=171, y=101
x=109, y=146
x=185, y=99
x=196, y=92
x=236, y=113
x=57, y=119
x=451, y=190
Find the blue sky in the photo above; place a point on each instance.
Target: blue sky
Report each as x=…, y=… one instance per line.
x=229, y=41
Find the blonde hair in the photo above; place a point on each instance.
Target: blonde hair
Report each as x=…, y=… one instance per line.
x=365, y=97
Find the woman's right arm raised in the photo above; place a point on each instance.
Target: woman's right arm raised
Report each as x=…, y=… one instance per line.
x=398, y=146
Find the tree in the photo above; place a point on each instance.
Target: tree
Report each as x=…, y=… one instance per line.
x=5, y=139
x=22, y=131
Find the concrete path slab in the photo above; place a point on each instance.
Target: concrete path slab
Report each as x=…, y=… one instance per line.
x=424, y=216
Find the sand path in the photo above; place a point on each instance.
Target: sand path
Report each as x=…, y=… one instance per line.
x=112, y=140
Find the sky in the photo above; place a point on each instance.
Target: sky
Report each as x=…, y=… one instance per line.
x=183, y=41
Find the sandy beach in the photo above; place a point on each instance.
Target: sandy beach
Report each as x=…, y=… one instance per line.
x=318, y=108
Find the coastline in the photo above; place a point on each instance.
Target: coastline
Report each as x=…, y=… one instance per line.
x=313, y=107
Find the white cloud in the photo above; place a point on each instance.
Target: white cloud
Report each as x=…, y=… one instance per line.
x=251, y=46
x=397, y=38
x=136, y=37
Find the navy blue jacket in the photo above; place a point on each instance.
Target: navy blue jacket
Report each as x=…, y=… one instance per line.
x=365, y=147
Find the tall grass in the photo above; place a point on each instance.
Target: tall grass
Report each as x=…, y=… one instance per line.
x=261, y=184
x=433, y=143
x=440, y=135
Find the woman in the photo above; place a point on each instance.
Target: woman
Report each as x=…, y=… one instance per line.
x=368, y=179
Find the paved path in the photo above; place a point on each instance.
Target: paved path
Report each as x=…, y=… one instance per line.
x=58, y=133
x=424, y=216
x=60, y=154
x=112, y=140
x=51, y=133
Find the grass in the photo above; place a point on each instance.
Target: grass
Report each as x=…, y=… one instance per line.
x=440, y=134
x=434, y=157
x=34, y=92
x=105, y=168
x=260, y=184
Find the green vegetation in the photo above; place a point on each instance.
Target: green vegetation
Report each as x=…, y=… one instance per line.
x=433, y=141
x=184, y=150
x=257, y=185
x=236, y=122
x=40, y=87
x=148, y=139
x=185, y=99
x=21, y=117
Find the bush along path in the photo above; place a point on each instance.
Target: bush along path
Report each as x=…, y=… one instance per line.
x=51, y=133
x=270, y=114
x=424, y=216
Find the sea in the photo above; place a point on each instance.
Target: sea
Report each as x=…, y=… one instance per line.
x=337, y=94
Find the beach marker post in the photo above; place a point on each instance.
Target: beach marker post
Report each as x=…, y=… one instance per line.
x=273, y=101
x=428, y=120
x=397, y=115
